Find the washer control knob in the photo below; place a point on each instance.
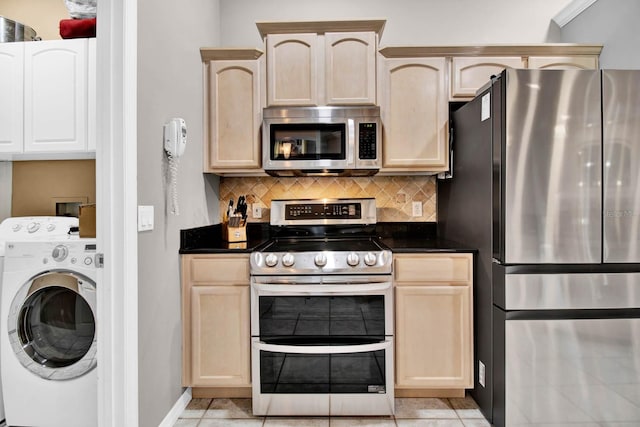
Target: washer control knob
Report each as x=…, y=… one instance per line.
x=370, y=259
x=59, y=253
x=51, y=227
x=88, y=261
x=320, y=260
x=353, y=259
x=16, y=227
x=271, y=260
x=288, y=260
x=33, y=227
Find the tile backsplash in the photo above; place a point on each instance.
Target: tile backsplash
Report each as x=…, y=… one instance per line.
x=394, y=194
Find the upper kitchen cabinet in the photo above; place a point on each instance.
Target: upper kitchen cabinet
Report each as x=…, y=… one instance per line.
x=321, y=63
x=48, y=110
x=563, y=62
x=415, y=112
x=234, y=98
x=56, y=95
x=11, y=101
x=470, y=73
x=473, y=66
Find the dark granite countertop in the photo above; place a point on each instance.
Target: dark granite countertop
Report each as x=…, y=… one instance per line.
x=400, y=237
x=208, y=240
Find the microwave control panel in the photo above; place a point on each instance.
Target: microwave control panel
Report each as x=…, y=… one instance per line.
x=367, y=147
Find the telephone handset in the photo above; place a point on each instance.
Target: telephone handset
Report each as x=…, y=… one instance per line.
x=175, y=137
x=175, y=142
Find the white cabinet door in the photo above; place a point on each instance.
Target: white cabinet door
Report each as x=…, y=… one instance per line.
x=91, y=96
x=55, y=96
x=11, y=83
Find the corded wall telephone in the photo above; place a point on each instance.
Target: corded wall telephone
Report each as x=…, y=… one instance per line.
x=175, y=142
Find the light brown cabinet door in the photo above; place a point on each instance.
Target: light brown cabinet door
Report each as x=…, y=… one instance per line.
x=292, y=69
x=220, y=336
x=234, y=111
x=468, y=74
x=563, y=62
x=350, y=68
x=433, y=337
x=216, y=343
x=414, y=107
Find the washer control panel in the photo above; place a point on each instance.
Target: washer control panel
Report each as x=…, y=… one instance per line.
x=70, y=254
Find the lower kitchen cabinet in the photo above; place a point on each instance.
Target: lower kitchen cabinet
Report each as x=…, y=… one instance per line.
x=434, y=324
x=215, y=322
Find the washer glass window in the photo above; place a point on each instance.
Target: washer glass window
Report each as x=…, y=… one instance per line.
x=52, y=325
x=56, y=327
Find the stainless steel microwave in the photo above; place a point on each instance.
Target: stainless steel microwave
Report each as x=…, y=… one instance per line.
x=323, y=141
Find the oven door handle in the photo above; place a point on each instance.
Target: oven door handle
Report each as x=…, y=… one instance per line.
x=269, y=289
x=322, y=349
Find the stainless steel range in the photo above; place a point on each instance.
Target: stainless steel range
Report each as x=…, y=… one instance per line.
x=322, y=312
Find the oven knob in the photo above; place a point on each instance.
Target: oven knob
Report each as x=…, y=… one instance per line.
x=320, y=260
x=271, y=260
x=370, y=259
x=288, y=260
x=353, y=259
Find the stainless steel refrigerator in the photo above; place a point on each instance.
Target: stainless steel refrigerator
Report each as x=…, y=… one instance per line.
x=546, y=184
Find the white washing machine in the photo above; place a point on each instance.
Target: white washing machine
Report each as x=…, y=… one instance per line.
x=48, y=343
x=33, y=228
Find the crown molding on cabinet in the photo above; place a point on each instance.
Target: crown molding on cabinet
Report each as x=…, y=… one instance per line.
x=320, y=27
x=547, y=49
x=570, y=11
x=216, y=53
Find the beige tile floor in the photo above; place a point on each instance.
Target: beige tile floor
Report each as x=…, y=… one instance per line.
x=410, y=412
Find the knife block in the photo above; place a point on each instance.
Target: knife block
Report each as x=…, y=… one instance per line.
x=234, y=234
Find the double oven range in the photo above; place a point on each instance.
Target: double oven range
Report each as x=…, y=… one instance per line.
x=322, y=312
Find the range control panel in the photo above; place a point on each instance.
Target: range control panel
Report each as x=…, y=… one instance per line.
x=321, y=211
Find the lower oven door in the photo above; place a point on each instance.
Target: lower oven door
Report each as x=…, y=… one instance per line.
x=322, y=379
x=322, y=345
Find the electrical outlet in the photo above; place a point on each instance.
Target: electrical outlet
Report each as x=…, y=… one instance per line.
x=256, y=211
x=481, y=373
x=416, y=208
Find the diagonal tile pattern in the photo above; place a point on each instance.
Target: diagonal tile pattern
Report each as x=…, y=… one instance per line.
x=394, y=194
x=410, y=412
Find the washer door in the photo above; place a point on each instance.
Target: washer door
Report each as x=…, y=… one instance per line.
x=52, y=325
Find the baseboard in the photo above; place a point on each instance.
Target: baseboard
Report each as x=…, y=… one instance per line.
x=177, y=410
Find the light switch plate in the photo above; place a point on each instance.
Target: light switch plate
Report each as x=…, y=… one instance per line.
x=145, y=218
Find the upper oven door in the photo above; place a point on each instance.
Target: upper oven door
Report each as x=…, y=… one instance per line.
x=331, y=309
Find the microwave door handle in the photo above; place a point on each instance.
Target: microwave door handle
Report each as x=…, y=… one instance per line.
x=266, y=289
x=322, y=349
x=351, y=145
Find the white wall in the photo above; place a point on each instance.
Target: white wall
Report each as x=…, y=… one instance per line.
x=6, y=173
x=613, y=23
x=409, y=22
x=169, y=85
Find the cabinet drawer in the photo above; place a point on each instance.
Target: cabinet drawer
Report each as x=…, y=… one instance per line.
x=433, y=268
x=218, y=269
